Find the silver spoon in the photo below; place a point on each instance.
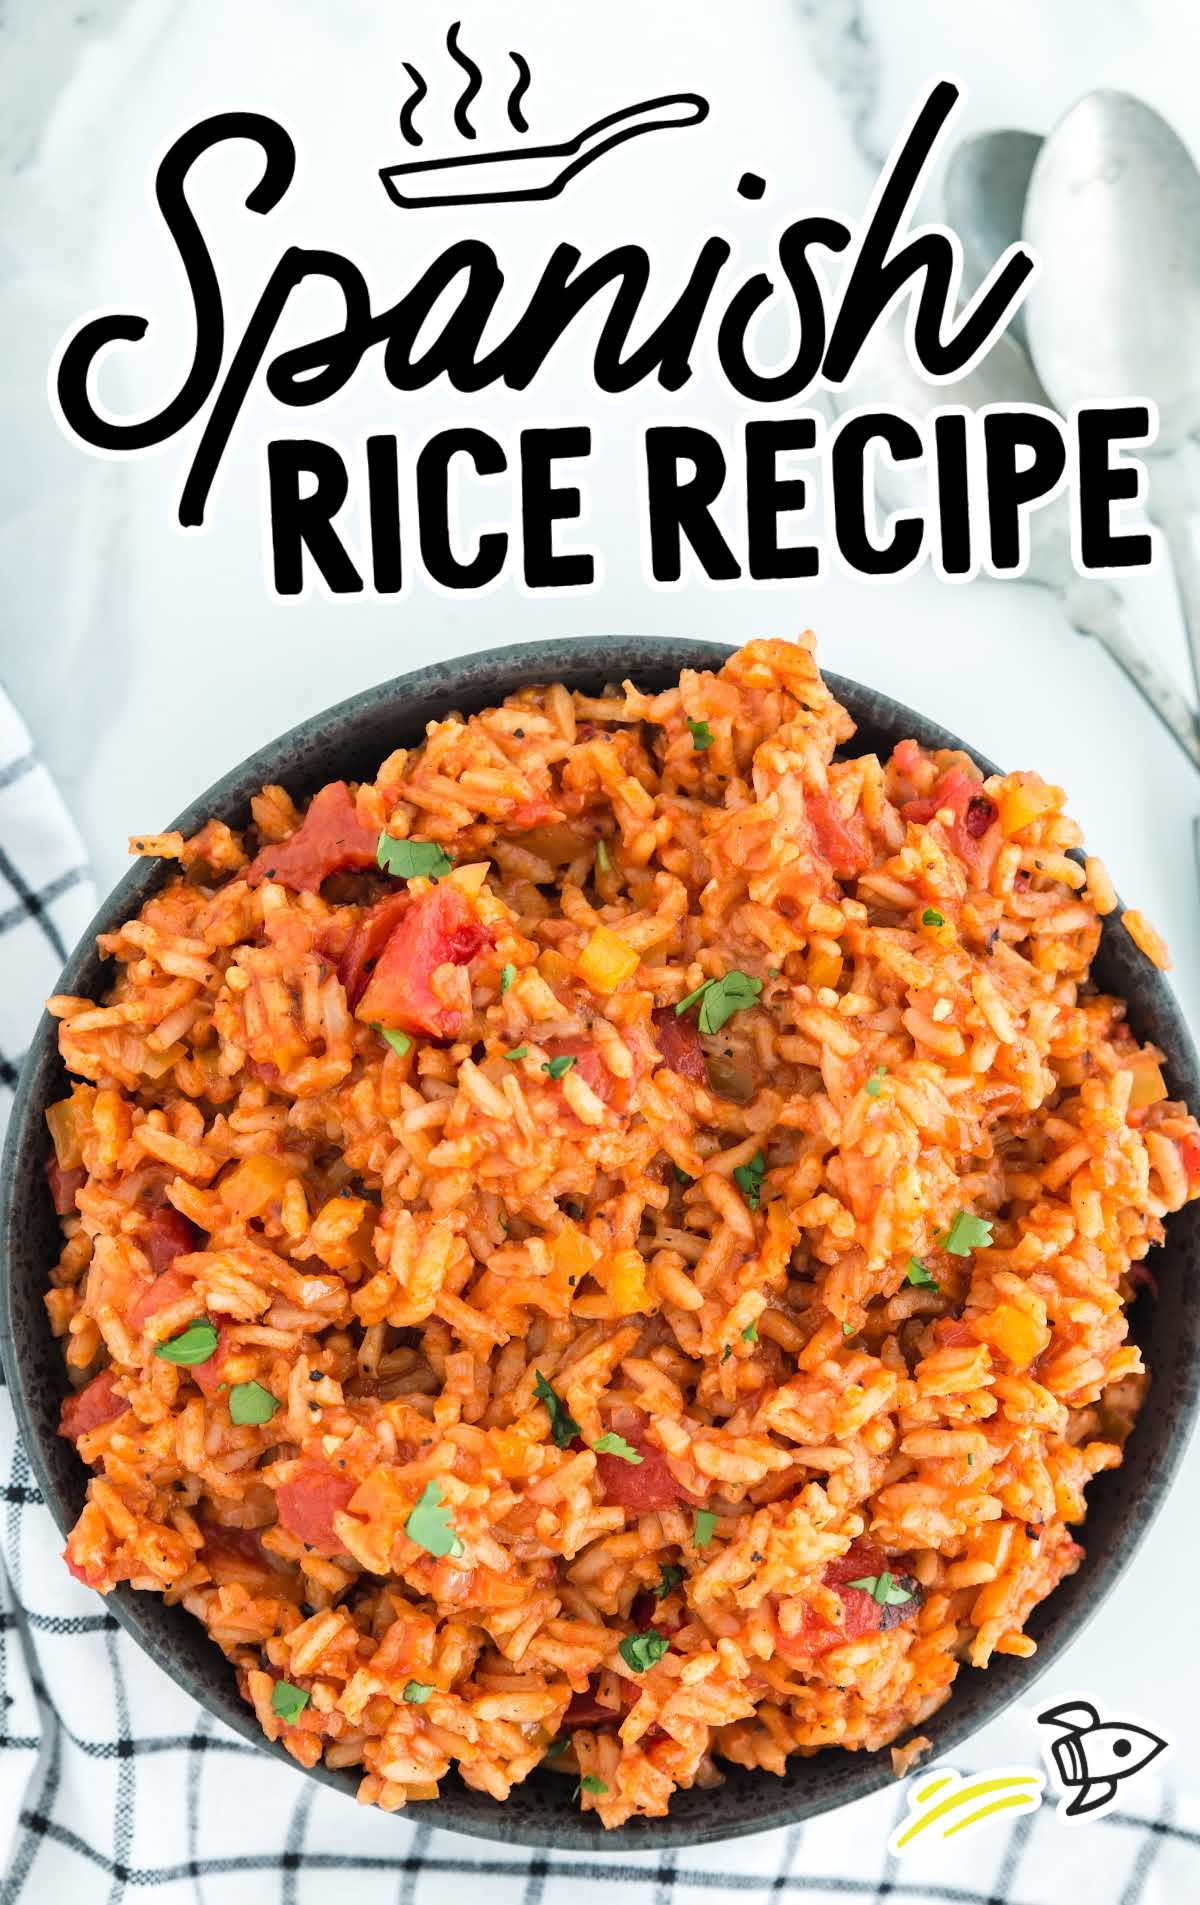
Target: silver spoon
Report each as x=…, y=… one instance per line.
x=1114, y=211
x=887, y=380
x=987, y=180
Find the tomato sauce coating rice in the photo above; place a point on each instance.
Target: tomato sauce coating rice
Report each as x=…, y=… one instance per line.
x=625, y=1271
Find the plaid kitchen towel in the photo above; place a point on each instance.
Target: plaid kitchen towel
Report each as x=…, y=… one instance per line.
x=115, y=1786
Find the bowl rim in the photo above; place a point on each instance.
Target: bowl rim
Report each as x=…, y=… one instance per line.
x=452, y=679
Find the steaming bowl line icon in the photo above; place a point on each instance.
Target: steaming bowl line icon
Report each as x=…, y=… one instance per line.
x=524, y=173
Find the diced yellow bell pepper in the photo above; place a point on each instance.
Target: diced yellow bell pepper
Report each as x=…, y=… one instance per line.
x=65, y=1134
x=252, y=1185
x=626, y=1280
x=1149, y=1086
x=1025, y=802
x=824, y=964
x=606, y=960
x=1014, y=1332
x=574, y=1254
x=555, y=970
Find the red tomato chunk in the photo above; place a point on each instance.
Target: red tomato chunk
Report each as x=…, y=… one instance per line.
x=166, y=1290
x=308, y=1503
x=330, y=839
x=974, y=834
x=237, y=1554
x=842, y=842
x=678, y=1040
x=862, y=1614
x=357, y=962
x=638, y=1487
x=95, y=1403
x=610, y=1089
x=65, y=1185
x=211, y=1375
x=438, y=928
x=170, y=1235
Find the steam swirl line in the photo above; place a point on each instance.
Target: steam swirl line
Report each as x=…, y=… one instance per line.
x=410, y=105
x=516, y=117
x=474, y=81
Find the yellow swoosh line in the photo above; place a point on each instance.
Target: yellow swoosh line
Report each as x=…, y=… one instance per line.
x=934, y=1786
x=965, y=1793
x=993, y=1805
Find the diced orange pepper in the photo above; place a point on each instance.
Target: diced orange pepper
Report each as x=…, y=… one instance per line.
x=626, y=1278
x=253, y=1184
x=553, y=967
x=1149, y=1086
x=606, y=960
x=574, y=1254
x=1014, y=1332
x=824, y=964
x=1027, y=801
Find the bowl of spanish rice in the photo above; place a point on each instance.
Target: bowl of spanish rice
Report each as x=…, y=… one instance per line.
x=576, y=1242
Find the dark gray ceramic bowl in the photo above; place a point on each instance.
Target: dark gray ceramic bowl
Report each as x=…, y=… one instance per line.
x=349, y=741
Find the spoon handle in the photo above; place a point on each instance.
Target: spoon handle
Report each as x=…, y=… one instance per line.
x=1094, y=609
x=1171, y=508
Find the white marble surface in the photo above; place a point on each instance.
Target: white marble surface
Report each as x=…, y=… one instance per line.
x=106, y=604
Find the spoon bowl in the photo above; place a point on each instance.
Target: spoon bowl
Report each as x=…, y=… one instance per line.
x=1114, y=202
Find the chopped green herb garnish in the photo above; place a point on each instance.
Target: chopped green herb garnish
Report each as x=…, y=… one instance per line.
x=967, y=1233
x=614, y=1444
x=399, y=1041
x=507, y=975
x=559, y=1067
x=518, y=1051
x=287, y=1701
x=702, y=735
x=847, y=1329
x=407, y=859
x=931, y=917
x=669, y=1578
x=563, y=1426
x=557, y=1747
x=251, y=1404
x=681, y=1177
x=875, y=1080
x=970, y=1461
x=721, y=998
x=883, y=1588
x=706, y=1521
x=750, y=1333
x=429, y=1524
x=193, y=1345
x=640, y=1651
x=603, y=857
x=773, y=972
x=416, y=1693
x=727, y=1352
x=590, y=1784
x=919, y=1277
x=749, y=1178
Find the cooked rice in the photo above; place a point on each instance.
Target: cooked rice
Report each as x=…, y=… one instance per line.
x=711, y=1258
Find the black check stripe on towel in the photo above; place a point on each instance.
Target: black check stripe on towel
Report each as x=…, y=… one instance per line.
x=114, y=1786
x=46, y=893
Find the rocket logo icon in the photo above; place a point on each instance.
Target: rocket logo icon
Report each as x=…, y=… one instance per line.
x=1090, y=1755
